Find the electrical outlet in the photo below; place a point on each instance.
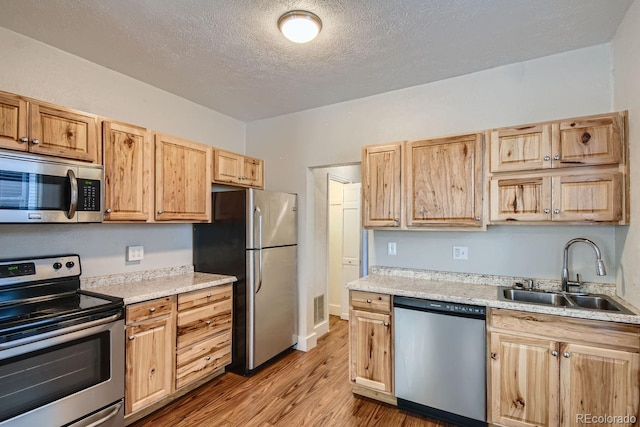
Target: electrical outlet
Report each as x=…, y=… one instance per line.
x=135, y=253
x=391, y=248
x=460, y=252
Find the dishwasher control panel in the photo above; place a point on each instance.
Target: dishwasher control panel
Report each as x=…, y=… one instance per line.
x=439, y=306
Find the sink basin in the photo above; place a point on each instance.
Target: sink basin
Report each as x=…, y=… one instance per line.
x=535, y=297
x=559, y=299
x=597, y=302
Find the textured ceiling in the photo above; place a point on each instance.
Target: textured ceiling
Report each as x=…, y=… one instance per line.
x=229, y=56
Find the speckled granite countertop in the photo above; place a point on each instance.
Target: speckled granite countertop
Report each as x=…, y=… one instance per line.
x=148, y=285
x=477, y=289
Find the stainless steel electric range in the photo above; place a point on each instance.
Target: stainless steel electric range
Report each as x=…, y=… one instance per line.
x=61, y=348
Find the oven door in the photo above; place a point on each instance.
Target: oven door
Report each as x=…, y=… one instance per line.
x=74, y=375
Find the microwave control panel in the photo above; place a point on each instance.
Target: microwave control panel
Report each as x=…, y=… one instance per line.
x=88, y=195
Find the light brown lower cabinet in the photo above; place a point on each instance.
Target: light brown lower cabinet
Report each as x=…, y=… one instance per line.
x=175, y=344
x=371, y=345
x=558, y=371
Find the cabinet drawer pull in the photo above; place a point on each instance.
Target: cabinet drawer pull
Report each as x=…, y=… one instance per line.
x=131, y=337
x=556, y=211
x=567, y=355
x=547, y=211
x=160, y=212
x=556, y=157
x=208, y=322
x=494, y=356
x=554, y=353
x=35, y=142
x=24, y=139
x=547, y=158
x=368, y=301
x=207, y=358
x=385, y=323
x=108, y=211
x=152, y=309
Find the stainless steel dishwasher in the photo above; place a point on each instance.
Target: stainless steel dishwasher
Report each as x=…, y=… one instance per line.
x=440, y=362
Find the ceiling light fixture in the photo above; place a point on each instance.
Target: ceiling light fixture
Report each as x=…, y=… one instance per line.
x=299, y=26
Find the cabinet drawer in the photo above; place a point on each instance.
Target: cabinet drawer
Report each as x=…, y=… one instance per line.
x=197, y=361
x=149, y=309
x=371, y=301
x=204, y=296
x=202, y=322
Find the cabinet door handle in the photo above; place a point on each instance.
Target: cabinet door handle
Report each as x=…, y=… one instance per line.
x=208, y=295
x=207, y=358
x=556, y=157
x=208, y=322
x=478, y=218
x=152, y=309
x=547, y=158
x=547, y=210
x=567, y=355
x=24, y=139
x=385, y=323
x=494, y=356
x=160, y=212
x=554, y=353
x=131, y=337
x=35, y=142
x=369, y=301
x=108, y=211
x=556, y=211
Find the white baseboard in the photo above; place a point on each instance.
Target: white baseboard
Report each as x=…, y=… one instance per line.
x=321, y=328
x=334, y=309
x=345, y=316
x=308, y=342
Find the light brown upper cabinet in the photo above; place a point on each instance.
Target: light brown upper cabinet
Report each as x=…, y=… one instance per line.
x=444, y=179
x=238, y=170
x=381, y=174
x=570, y=171
x=41, y=128
x=128, y=165
x=183, y=180
x=593, y=140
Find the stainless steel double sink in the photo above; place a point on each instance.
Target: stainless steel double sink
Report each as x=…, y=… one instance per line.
x=596, y=302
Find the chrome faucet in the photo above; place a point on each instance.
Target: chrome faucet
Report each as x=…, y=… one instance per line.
x=600, y=268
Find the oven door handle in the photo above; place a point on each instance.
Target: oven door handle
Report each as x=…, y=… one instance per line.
x=111, y=414
x=51, y=334
x=73, y=183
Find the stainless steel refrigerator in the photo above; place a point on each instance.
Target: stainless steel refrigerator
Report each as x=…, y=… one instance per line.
x=253, y=236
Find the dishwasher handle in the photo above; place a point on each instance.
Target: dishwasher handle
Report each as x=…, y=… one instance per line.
x=440, y=307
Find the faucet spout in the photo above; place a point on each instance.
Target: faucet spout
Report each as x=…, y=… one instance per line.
x=600, y=267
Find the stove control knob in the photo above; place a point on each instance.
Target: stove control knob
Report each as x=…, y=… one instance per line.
x=57, y=266
x=70, y=264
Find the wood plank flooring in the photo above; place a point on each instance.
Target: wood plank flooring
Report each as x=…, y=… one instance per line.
x=300, y=389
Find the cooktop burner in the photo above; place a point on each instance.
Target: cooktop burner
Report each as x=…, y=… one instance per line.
x=42, y=294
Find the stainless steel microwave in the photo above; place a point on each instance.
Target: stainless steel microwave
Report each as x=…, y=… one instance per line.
x=37, y=189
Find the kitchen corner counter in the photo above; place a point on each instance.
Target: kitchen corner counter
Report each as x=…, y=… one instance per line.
x=145, y=286
x=473, y=290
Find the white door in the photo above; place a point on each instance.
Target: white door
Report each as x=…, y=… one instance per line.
x=351, y=238
x=335, y=246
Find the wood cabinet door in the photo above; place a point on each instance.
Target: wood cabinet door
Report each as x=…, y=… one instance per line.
x=444, y=181
x=524, y=381
x=520, y=148
x=371, y=356
x=381, y=186
x=128, y=161
x=521, y=199
x=13, y=122
x=598, y=382
x=56, y=131
x=183, y=180
x=253, y=172
x=227, y=167
x=150, y=352
x=594, y=140
x=596, y=197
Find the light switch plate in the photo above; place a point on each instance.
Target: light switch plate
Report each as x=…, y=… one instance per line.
x=391, y=248
x=135, y=253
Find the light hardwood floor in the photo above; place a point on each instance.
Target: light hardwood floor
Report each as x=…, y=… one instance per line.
x=300, y=389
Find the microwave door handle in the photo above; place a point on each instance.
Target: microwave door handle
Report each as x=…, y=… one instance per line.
x=73, y=182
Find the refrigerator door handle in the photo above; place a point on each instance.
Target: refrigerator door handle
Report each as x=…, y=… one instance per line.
x=257, y=212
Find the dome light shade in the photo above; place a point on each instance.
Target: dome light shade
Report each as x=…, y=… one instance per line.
x=299, y=26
